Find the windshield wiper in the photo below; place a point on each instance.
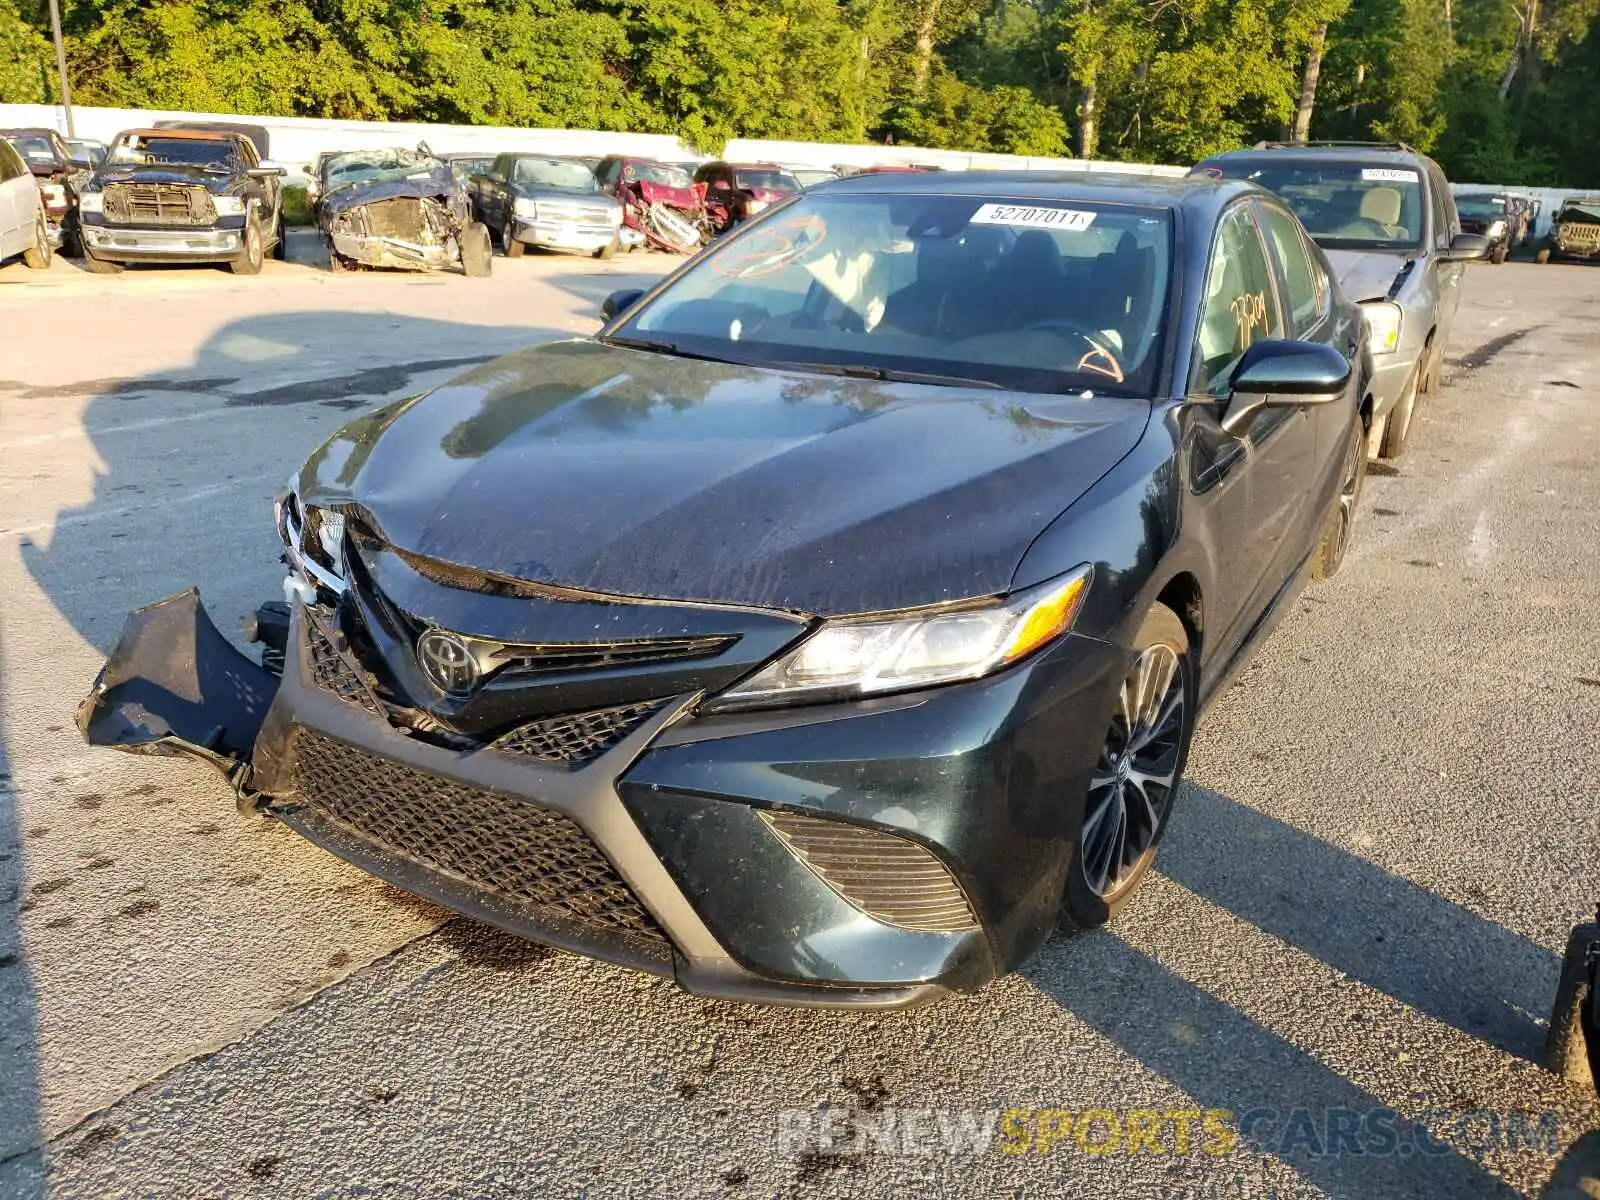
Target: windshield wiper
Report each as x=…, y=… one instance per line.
x=885, y=374
x=672, y=348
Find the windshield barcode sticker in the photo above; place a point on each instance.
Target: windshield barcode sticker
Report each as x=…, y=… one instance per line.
x=1071, y=219
x=1387, y=175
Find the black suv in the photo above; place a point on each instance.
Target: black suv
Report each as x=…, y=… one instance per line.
x=182, y=195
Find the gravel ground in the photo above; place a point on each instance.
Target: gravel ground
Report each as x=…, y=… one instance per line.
x=1360, y=906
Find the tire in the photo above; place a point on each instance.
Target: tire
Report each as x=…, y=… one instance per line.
x=1334, y=539
x=508, y=241
x=1499, y=255
x=607, y=251
x=38, y=256
x=1107, y=869
x=1434, y=370
x=248, y=261
x=1401, y=416
x=477, y=251
x=72, y=237
x=1542, y=256
x=280, y=243
x=100, y=266
x=338, y=263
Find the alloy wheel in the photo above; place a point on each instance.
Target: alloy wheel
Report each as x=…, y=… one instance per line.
x=1350, y=490
x=1133, y=783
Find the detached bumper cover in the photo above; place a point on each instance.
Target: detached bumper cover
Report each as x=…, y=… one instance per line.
x=655, y=854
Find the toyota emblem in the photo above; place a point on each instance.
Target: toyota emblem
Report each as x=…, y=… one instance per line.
x=447, y=661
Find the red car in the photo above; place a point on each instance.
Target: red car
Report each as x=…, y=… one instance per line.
x=737, y=191
x=658, y=199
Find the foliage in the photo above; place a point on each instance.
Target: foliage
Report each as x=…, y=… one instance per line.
x=1498, y=90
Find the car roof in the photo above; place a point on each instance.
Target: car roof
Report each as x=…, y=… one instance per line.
x=1328, y=152
x=1191, y=192
x=187, y=135
x=32, y=130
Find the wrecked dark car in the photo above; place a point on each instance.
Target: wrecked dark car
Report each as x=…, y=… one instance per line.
x=60, y=177
x=827, y=629
x=1575, y=231
x=399, y=208
x=181, y=195
x=735, y=192
x=1493, y=215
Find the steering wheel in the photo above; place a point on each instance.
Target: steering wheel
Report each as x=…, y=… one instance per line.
x=790, y=240
x=1101, y=358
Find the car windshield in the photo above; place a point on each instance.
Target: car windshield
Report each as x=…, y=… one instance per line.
x=373, y=166
x=1481, y=208
x=659, y=173
x=472, y=166
x=32, y=147
x=561, y=174
x=1586, y=210
x=1036, y=295
x=1344, y=205
x=87, y=151
x=749, y=178
x=216, y=154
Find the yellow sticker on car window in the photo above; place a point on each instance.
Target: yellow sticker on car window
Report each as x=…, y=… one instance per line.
x=1250, y=314
x=1033, y=217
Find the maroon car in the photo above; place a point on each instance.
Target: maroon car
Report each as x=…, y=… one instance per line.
x=658, y=199
x=58, y=176
x=737, y=191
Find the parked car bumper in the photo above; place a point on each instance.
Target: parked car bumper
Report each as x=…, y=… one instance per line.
x=123, y=244
x=562, y=235
x=1391, y=374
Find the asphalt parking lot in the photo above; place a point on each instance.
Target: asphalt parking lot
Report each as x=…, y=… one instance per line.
x=1391, y=824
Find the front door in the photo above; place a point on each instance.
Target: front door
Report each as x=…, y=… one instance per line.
x=16, y=203
x=1259, y=480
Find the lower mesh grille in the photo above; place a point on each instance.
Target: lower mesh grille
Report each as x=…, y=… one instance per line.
x=332, y=673
x=892, y=878
x=508, y=845
x=576, y=737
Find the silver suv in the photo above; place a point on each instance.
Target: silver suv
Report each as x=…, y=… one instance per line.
x=1384, y=216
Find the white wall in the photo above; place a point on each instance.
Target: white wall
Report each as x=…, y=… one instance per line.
x=1551, y=199
x=297, y=140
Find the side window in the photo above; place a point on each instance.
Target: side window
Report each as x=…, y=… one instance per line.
x=1240, y=305
x=608, y=171
x=1302, y=296
x=1444, y=208
x=10, y=164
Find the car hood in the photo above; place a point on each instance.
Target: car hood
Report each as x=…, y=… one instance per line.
x=629, y=473
x=1366, y=274
x=660, y=193
x=596, y=199
x=421, y=185
x=215, y=181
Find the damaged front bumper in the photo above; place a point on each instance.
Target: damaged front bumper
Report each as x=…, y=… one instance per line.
x=662, y=853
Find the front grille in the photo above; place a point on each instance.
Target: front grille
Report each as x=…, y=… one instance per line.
x=579, y=214
x=576, y=737
x=546, y=658
x=892, y=878
x=507, y=845
x=331, y=672
x=159, y=204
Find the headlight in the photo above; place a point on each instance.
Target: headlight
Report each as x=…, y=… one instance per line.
x=228, y=206
x=863, y=656
x=755, y=206
x=313, y=539
x=1496, y=228
x=92, y=202
x=1383, y=321
x=526, y=208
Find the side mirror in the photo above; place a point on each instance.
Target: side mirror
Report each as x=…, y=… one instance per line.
x=1283, y=374
x=619, y=301
x=1465, y=247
